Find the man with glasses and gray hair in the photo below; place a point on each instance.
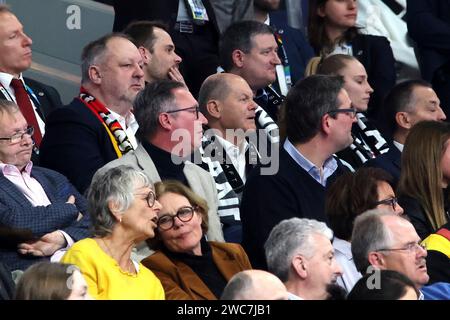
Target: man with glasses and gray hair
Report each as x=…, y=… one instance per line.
x=170, y=128
x=385, y=241
x=40, y=211
x=300, y=253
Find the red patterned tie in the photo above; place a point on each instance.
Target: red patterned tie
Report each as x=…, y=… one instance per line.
x=24, y=103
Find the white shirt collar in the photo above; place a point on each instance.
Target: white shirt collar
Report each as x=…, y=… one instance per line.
x=126, y=122
x=343, y=247
x=399, y=145
x=6, y=78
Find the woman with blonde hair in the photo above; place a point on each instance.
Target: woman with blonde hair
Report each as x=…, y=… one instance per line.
x=189, y=266
x=425, y=176
x=368, y=142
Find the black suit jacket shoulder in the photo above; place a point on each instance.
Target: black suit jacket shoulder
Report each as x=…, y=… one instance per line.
x=297, y=48
x=48, y=97
x=76, y=144
x=389, y=161
x=127, y=11
x=375, y=53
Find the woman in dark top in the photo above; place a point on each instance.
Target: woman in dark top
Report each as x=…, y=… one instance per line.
x=425, y=176
x=189, y=266
x=332, y=29
x=367, y=140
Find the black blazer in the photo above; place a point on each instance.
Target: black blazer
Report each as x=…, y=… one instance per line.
x=390, y=161
x=48, y=99
x=375, y=53
x=297, y=48
x=429, y=26
x=127, y=11
x=76, y=144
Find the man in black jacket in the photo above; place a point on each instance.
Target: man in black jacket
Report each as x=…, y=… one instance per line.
x=318, y=123
x=15, y=58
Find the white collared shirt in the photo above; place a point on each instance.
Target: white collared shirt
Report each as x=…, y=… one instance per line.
x=35, y=193
x=343, y=255
x=236, y=154
x=5, y=80
x=398, y=145
x=129, y=125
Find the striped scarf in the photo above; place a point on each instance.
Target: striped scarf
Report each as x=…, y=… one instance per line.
x=117, y=135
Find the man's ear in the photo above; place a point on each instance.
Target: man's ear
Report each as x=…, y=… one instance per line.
x=326, y=123
x=95, y=75
x=238, y=58
x=300, y=266
x=214, y=108
x=403, y=120
x=165, y=121
x=377, y=260
x=145, y=54
x=321, y=11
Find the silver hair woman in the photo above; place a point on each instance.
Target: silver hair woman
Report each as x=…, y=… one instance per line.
x=124, y=211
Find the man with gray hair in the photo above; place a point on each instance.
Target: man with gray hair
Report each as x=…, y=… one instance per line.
x=98, y=125
x=254, y=285
x=386, y=241
x=170, y=127
x=300, y=253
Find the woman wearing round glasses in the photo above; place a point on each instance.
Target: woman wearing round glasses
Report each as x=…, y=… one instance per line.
x=124, y=212
x=189, y=266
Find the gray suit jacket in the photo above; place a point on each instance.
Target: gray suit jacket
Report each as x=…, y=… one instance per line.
x=200, y=181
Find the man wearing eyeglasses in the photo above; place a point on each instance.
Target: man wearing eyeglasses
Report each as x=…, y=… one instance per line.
x=318, y=123
x=40, y=211
x=170, y=127
x=385, y=241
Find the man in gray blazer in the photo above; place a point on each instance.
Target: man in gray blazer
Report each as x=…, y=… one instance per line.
x=170, y=128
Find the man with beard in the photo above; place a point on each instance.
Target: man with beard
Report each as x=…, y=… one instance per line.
x=300, y=253
x=157, y=49
x=386, y=241
x=293, y=49
x=98, y=125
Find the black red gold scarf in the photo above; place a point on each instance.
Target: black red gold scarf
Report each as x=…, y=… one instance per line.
x=118, y=136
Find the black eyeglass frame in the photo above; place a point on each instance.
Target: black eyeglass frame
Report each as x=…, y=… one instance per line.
x=177, y=215
x=197, y=111
x=334, y=112
x=393, y=202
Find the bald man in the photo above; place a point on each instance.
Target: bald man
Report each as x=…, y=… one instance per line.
x=254, y=285
x=228, y=149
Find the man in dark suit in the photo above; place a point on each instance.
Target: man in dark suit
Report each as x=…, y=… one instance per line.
x=406, y=104
x=15, y=58
x=429, y=26
x=40, y=211
x=98, y=125
x=196, y=40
